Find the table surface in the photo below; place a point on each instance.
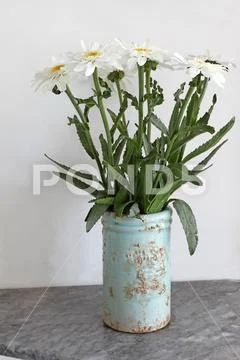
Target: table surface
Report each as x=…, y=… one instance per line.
x=65, y=323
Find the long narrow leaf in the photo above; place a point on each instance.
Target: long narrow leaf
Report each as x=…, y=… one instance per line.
x=78, y=183
x=188, y=222
x=204, y=162
x=104, y=147
x=94, y=214
x=158, y=123
x=75, y=173
x=210, y=143
x=120, y=201
x=84, y=136
x=160, y=200
x=205, y=118
x=117, y=122
x=119, y=150
x=187, y=135
x=147, y=145
x=108, y=200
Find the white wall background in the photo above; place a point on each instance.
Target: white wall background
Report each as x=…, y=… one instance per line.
x=42, y=238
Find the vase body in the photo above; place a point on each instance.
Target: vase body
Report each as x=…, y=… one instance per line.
x=136, y=272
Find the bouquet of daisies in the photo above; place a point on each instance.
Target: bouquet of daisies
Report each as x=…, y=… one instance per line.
x=138, y=170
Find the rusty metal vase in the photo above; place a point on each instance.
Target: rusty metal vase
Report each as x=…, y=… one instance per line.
x=136, y=272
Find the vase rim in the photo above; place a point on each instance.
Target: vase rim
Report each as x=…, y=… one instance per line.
x=164, y=215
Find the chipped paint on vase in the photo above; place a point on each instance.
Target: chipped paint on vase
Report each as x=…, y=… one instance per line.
x=136, y=272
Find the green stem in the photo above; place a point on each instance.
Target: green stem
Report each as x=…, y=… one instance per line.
x=140, y=105
x=103, y=115
x=170, y=146
x=188, y=96
x=185, y=102
x=119, y=91
x=156, y=180
x=82, y=117
x=204, y=88
x=148, y=92
x=75, y=104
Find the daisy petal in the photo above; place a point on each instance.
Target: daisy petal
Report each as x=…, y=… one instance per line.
x=192, y=71
x=83, y=45
x=141, y=60
x=219, y=79
x=132, y=64
x=120, y=43
x=90, y=69
x=95, y=46
x=79, y=67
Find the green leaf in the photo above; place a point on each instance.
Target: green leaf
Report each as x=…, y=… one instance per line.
x=160, y=200
x=159, y=124
x=161, y=144
x=121, y=200
x=147, y=145
x=193, y=109
x=89, y=103
x=180, y=171
x=84, y=135
x=106, y=93
x=205, y=118
x=104, y=147
x=116, y=123
x=130, y=151
x=78, y=183
x=124, y=208
x=155, y=97
x=117, y=142
x=179, y=92
x=174, y=120
x=119, y=150
x=200, y=167
x=188, y=222
x=117, y=120
x=134, y=100
x=108, y=200
x=56, y=91
x=94, y=214
x=210, y=143
x=187, y=134
x=75, y=173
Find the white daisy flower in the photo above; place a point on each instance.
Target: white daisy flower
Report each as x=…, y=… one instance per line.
x=207, y=65
x=138, y=54
x=95, y=55
x=56, y=75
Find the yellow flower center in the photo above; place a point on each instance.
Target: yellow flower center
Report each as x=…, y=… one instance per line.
x=56, y=68
x=91, y=54
x=142, y=50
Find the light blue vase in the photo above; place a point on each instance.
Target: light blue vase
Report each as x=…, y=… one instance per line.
x=136, y=271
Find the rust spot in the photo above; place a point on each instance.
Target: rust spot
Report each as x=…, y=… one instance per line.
x=136, y=328
x=168, y=300
x=151, y=228
x=110, y=291
x=141, y=329
x=144, y=285
x=149, y=261
x=164, y=322
x=128, y=292
x=144, y=329
x=148, y=255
